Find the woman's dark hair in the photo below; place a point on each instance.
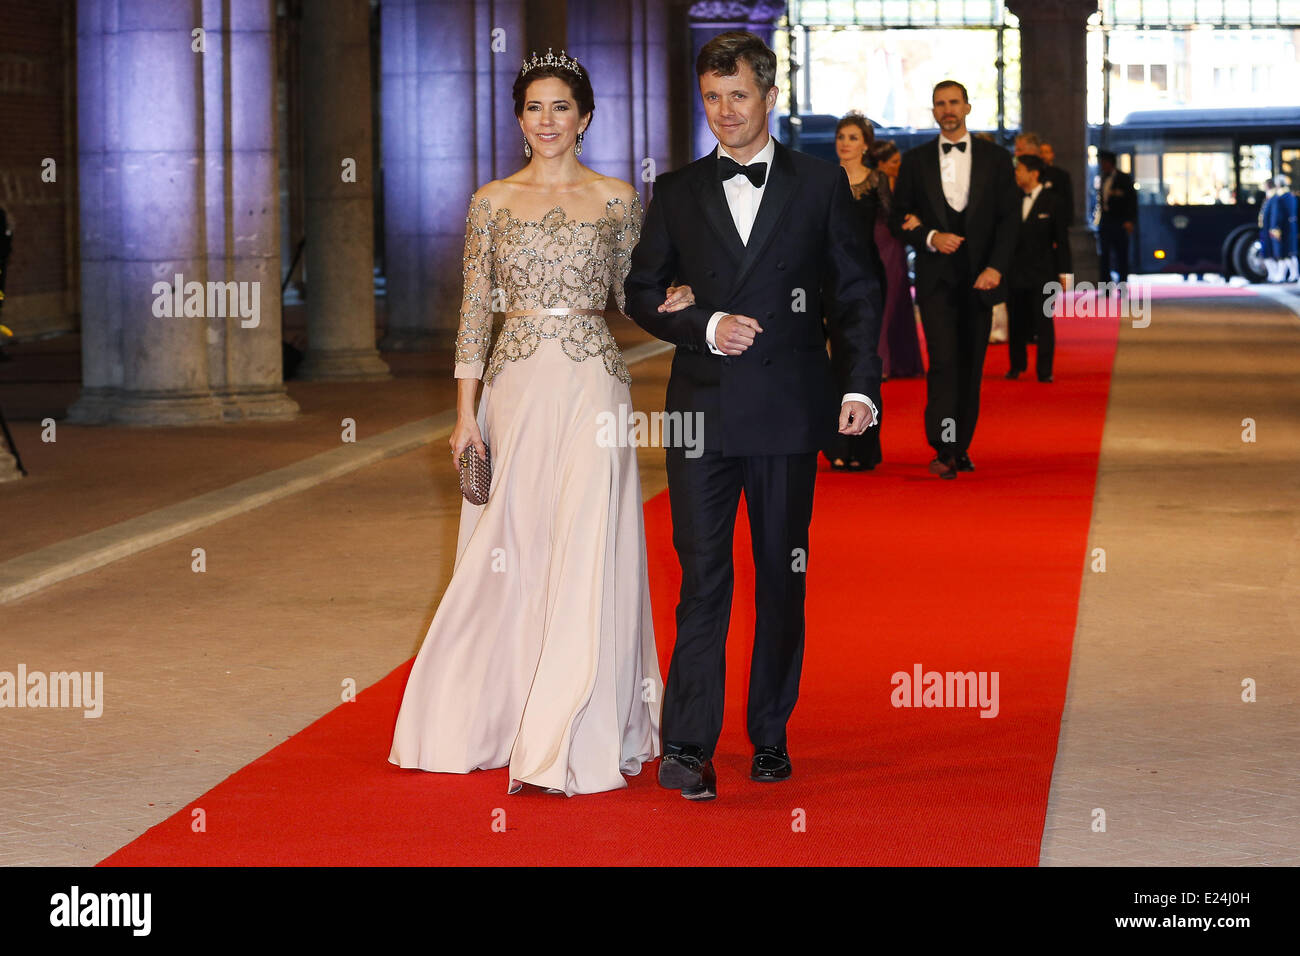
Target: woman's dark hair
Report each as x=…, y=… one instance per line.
x=723, y=54
x=579, y=84
x=884, y=151
x=857, y=119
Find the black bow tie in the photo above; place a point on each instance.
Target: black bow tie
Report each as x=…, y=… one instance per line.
x=949, y=147
x=756, y=173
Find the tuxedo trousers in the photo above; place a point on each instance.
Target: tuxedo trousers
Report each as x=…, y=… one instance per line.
x=957, y=326
x=1029, y=315
x=1112, y=251
x=704, y=494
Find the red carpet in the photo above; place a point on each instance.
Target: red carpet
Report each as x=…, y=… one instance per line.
x=978, y=574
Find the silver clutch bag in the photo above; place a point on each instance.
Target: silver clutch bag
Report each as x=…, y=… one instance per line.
x=475, y=474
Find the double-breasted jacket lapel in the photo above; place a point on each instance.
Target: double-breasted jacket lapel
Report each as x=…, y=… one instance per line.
x=713, y=203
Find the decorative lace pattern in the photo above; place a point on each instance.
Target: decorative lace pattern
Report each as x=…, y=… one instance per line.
x=513, y=265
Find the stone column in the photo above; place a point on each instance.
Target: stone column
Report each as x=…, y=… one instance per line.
x=448, y=127
x=625, y=51
x=339, y=185
x=1054, y=98
x=176, y=165
x=708, y=18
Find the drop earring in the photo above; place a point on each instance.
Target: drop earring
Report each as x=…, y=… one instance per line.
x=528, y=150
x=577, y=147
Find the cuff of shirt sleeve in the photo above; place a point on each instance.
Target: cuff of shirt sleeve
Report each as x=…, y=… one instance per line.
x=859, y=397
x=928, y=236
x=708, y=332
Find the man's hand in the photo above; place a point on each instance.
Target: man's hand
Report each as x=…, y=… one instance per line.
x=735, y=333
x=988, y=279
x=1067, y=281
x=947, y=242
x=855, y=418
x=679, y=297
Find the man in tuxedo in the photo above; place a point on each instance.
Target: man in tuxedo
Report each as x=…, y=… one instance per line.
x=959, y=199
x=1116, y=216
x=1058, y=180
x=770, y=243
x=1042, y=257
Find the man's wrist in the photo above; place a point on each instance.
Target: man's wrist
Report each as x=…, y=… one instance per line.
x=711, y=329
x=865, y=400
x=929, y=236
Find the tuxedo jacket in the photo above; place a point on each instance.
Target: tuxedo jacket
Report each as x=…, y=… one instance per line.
x=1042, y=244
x=1058, y=180
x=1122, y=203
x=806, y=261
x=992, y=215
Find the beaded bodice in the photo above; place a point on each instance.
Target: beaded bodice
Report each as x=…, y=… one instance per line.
x=555, y=263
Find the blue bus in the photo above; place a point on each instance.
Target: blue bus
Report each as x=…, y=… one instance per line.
x=1200, y=182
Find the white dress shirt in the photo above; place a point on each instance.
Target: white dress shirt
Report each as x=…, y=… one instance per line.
x=743, y=199
x=1027, y=203
x=954, y=175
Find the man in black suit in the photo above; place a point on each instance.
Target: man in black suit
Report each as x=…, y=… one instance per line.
x=958, y=203
x=769, y=242
x=1058, y=180
x=1116, y=216
x=1042, y=257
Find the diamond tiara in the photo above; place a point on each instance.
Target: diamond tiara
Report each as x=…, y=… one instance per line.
x=562, y=61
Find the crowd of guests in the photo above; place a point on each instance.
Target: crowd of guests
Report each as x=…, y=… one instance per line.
x=989, y=230
x=1278, y=231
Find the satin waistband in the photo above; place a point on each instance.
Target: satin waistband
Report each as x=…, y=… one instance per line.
x=527, y=312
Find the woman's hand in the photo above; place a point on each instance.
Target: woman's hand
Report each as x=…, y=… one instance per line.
x=679, y=297
x=911, y=222
x=464, y=434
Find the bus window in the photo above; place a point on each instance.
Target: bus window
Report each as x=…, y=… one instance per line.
x=1198, y=175
x=1289, y=163
x=1255, y=164
x=1147, y=179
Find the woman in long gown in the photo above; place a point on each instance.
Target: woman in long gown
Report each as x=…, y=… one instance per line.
x=900, y=348
x=853, y=140
x=541, y=655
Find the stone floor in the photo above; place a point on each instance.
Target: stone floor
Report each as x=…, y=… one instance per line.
x=206, y=671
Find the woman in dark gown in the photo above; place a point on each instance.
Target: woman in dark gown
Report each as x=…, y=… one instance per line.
x=853, y=141
x=900, y=347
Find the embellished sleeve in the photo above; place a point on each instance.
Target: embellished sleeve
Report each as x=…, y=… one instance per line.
x=627, y=230
x=475, y=329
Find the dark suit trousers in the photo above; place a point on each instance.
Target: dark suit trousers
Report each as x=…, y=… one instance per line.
x=957, y=327
x=704, y=494
x=1112, y=250
x=1027, y=315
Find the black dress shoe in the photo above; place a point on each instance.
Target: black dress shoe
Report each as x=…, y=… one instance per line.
x=964, y=462
x=1045, y=378
x=770, y=764
x=690, y=772
x=1013, y=374
x=943, y=467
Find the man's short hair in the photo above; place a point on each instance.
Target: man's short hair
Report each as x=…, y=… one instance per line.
x=945, y=83
x=726, y=51
x=1030, y=139
x=1032, y=162
x=1106, y=156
